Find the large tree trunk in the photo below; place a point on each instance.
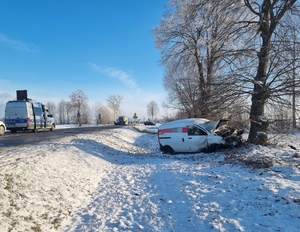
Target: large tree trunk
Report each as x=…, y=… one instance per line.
x=270, y=15
x=259, y=124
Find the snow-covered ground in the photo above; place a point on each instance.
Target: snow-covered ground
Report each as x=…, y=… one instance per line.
x=117, y=180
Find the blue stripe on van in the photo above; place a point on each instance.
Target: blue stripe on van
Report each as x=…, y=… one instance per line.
x=19, y=120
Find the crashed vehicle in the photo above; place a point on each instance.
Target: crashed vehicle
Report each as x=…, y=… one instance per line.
x=197, y=135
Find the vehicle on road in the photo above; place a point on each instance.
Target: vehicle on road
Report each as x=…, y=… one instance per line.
x=122, y=120
x=25, y=114
x=2, y=128
x=196, y=135
x=149, y=123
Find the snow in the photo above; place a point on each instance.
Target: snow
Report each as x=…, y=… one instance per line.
x=117, y=180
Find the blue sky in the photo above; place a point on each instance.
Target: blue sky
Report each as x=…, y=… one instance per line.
x=103, y=47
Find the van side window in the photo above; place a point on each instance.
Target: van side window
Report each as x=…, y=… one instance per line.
x=193, y=130
x=48, y=114
x=38, y=111
x=30, y=111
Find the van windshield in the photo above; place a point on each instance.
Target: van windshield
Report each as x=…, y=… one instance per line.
x=209, y=125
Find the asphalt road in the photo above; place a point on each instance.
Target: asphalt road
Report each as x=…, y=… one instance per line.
x=28, y=137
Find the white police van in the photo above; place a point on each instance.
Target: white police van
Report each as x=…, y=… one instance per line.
x=25, y=114
x=196, y=135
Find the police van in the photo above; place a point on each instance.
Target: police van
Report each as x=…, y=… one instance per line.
x=25, y=114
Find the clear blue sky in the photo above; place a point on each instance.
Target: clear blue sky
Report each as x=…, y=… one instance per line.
x=103, y=47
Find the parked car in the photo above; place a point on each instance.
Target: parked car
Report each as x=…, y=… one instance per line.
x=2, y=128
x=149, y=123
x=196, y=135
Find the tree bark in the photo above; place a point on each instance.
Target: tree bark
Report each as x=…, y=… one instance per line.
x=259, y=124
x=267, y=24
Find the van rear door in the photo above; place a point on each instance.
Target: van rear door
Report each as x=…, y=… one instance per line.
x=16, y=115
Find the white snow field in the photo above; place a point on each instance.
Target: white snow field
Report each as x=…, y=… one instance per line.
x=117, y=180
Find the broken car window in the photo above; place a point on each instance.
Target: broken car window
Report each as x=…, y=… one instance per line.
x=193, y=130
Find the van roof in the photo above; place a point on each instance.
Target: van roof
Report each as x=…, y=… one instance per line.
x=206, y=123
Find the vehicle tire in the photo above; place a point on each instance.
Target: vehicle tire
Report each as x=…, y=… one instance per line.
x=167, y=149
x=52, y=127
x=212, y=148
x=2, y=130
x=13, y=131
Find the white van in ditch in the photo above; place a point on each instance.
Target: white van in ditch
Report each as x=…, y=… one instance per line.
x=196, y=135
x=27, y=115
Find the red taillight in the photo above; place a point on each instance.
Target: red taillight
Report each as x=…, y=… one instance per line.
x=28, y=121
x=167, y=130
x=185, y=130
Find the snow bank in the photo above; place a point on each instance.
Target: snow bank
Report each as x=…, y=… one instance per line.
x=116, y=180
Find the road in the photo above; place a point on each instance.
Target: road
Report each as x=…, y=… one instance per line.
x=28, y=137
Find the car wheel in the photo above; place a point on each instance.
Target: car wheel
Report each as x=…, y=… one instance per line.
x=212, y=148
x=52, y=127
x=168, y=149
x=2, y=130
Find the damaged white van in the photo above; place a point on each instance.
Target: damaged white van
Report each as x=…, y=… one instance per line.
x=196, y=135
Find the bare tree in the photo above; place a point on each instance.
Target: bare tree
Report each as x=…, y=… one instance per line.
x=79, y=103
x=106, y=115
x=97, y=112
x=289, y=47
x=69, y=113
x=152, y=110
x=196, y=39
x=268, y=15
x=114, y=102
x=86, y=116
x=52, y=109
x=62, y=111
